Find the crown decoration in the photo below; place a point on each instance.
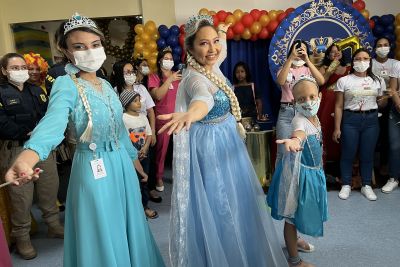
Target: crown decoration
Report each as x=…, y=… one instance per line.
x=305, y=78
x=167, y=49
x=193, y=23
x=78, y=21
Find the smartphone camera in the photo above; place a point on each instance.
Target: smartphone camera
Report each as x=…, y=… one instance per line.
x=181, y=67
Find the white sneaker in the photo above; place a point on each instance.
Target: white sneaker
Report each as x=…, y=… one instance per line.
x=368, y=192
x=390, y=185
x=345, y=192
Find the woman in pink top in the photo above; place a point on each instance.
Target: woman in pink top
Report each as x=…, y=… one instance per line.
x=297, y=64
x=163, y=87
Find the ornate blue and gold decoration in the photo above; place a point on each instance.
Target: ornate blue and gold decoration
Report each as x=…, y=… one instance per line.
x=320, y=23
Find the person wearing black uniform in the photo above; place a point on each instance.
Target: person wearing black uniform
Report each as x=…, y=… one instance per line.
x=22, y=105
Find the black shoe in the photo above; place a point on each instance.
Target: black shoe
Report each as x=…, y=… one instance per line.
x=155, y=199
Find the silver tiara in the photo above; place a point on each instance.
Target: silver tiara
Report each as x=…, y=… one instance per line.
x=305, y=78
x=193, y=23
x=78, y=21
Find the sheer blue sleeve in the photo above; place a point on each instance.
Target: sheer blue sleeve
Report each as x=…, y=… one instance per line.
x=49, y=133
x=199, y=90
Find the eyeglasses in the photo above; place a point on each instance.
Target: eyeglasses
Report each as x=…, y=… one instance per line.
x=16, y=68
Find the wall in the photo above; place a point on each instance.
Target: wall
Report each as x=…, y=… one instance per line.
x=160, y=11
x=184, y=8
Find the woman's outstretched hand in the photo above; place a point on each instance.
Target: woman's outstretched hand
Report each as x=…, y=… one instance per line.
x=177, y=121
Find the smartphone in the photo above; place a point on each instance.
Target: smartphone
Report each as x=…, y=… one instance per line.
x=181, y=66
x=298, y=44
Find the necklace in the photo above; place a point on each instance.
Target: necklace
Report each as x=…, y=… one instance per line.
x=317, y=127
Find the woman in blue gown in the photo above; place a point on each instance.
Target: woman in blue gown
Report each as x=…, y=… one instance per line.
x=219, y=215
x=104, y=221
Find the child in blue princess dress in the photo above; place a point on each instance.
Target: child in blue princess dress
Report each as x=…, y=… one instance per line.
x=298, y=189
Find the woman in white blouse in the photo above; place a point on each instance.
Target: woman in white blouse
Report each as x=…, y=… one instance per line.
x=356, y=121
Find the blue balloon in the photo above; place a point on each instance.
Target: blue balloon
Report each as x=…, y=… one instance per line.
x=164, y=33
x=177, y=58
x=172, y=40
x=375, y=19
x=386, y=20
x=390, y=36
x=162, y=27
x=174, y=30
x=392, y=17
x=389, y=28
x=161, y=43
x=378, y=30
x=177, y=50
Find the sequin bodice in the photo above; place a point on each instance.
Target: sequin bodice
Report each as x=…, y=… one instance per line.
x=221, y=106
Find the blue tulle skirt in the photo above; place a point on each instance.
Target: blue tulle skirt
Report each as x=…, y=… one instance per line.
x=228, y=220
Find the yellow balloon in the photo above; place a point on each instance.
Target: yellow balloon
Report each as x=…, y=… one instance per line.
x=154, y=54
x=152, y=46
x=155, y=36
x=279, y=11
x=264, y=20
x=398, y=19
x=273, y=14
x=150, y=27
x=139, y=28
x=246, y=34
x=138, y=38
x=237, y=37
x=146, y=53
x=212, y=13
x=136, y=55
x=145, y=37
x=139, y=46
x=238, y=13
x=255, y=28
x=365, y=13
x=203, y=11
x=398, y=54
x=230, y=19
x=397, y=31
x=152, y=61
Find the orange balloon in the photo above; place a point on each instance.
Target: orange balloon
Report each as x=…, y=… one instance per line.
x=279, y=11
x=230, y=19
x=273, y=14
x=264, y=20
x=145, y=37
x=139, y=46
x=398, y=19
x=246, y=34
x=203, y=11
x=365, y=13
x=238, y=13
x=150, y=27
x=139, y=28
x=256, y=27
x=212, y=13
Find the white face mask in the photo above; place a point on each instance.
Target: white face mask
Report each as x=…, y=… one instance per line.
x=18, y=76
x=360, y=66
x=130, y=79
x=298, y=63
x=167, y=64
x=90, y=60
x=382, y=52
x=145, y=70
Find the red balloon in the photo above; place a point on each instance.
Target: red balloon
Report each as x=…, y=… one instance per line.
x=230, y=34
x=371, y=23
x=182, y=29
x=254, y=37
x=221, y=15
x=256, y=14
x=281, y=16
x=216, y=20
x=181, y=39
x=238, y=28
x=247, y=20
x=289, y=10
x=359, y=5
x=263, y=12
x=272, y=25
x=263, y=33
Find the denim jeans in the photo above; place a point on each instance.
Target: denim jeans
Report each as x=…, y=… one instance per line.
x=360, y=132
x=284, y=127
x=394, y=144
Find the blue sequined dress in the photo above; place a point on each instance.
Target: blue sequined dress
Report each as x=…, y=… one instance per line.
x=219, y=214
x=104, y=219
